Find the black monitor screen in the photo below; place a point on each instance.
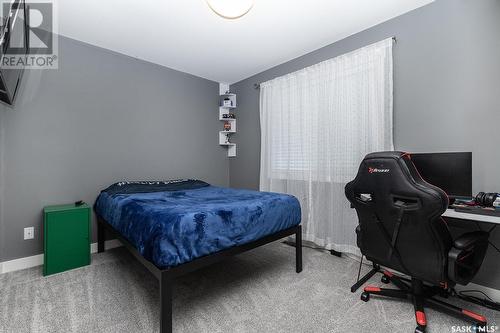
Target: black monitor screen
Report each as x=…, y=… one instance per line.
x=451, y=172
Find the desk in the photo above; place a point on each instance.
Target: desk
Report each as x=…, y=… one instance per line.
x=472, y=217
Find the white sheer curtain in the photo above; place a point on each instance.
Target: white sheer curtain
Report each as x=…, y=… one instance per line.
x=316, y=126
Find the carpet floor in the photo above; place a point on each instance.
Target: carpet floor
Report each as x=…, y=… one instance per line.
x=257, y=291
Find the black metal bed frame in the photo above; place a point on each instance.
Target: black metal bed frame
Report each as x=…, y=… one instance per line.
x=166, y=276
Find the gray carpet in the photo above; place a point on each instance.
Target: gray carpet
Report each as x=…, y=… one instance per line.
x=258, y=291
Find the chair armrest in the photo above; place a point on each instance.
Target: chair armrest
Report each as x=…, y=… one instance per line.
x=466, y=256
x=469, y=239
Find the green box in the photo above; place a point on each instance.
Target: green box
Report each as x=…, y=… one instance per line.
x=66, y=240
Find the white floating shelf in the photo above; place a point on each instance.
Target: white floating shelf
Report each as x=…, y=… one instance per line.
x=222, y=112
x=224, y=109
x=233, y=126
x=223, y=137
x=227, y=98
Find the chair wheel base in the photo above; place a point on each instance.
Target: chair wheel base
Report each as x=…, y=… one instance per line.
x=424, y=296
x=385, y=279
x=420, y=329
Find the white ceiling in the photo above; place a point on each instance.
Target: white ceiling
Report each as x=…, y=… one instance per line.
x=186, y=35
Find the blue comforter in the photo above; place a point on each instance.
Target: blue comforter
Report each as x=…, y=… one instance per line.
x=173, y=226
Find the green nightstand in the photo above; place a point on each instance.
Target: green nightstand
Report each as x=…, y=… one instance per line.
x=66, y=230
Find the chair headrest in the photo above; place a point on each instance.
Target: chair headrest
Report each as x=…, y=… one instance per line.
x=391, y=174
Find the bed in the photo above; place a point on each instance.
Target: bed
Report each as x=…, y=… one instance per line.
x=176, y=227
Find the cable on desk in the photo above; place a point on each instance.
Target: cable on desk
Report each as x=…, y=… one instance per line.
x=486, y=301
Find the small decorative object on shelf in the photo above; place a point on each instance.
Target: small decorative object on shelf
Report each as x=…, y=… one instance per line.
x=227, y=126
x=228, y=116
x=227, y=102
x=228, y=139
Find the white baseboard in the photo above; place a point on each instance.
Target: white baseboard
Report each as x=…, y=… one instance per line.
x=37, y=260
x=21, y=263
x=108, y=245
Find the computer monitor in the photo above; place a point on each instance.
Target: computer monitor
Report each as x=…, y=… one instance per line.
x=451, y=172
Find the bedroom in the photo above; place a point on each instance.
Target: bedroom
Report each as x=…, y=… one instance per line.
x=137, y=92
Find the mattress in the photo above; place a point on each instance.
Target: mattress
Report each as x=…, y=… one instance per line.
x=170, y=223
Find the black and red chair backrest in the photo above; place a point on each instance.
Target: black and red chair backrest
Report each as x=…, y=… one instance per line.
x=400, y=224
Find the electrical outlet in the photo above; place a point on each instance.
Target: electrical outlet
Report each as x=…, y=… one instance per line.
x=29, y=233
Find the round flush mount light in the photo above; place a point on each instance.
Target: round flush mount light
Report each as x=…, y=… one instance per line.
x=230, y=9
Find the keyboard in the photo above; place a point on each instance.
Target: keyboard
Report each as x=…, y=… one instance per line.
x=489, y=211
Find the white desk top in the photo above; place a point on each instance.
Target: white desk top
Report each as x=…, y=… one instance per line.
x=472, y=217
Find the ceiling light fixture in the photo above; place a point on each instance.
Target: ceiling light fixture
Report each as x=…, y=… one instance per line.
x=230, y=9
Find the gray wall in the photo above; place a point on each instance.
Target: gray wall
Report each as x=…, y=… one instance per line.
x=100, y=118
x=446, y=92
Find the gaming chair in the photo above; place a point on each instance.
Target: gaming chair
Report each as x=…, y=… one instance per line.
x=401, y=228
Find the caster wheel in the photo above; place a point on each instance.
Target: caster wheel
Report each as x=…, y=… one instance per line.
x=365, y=297
x=420, y=329
x=385, y=279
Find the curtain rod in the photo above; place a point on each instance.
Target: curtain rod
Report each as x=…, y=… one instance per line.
x=257, y=85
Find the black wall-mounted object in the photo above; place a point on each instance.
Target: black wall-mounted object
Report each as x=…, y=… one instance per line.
x=13, y=41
